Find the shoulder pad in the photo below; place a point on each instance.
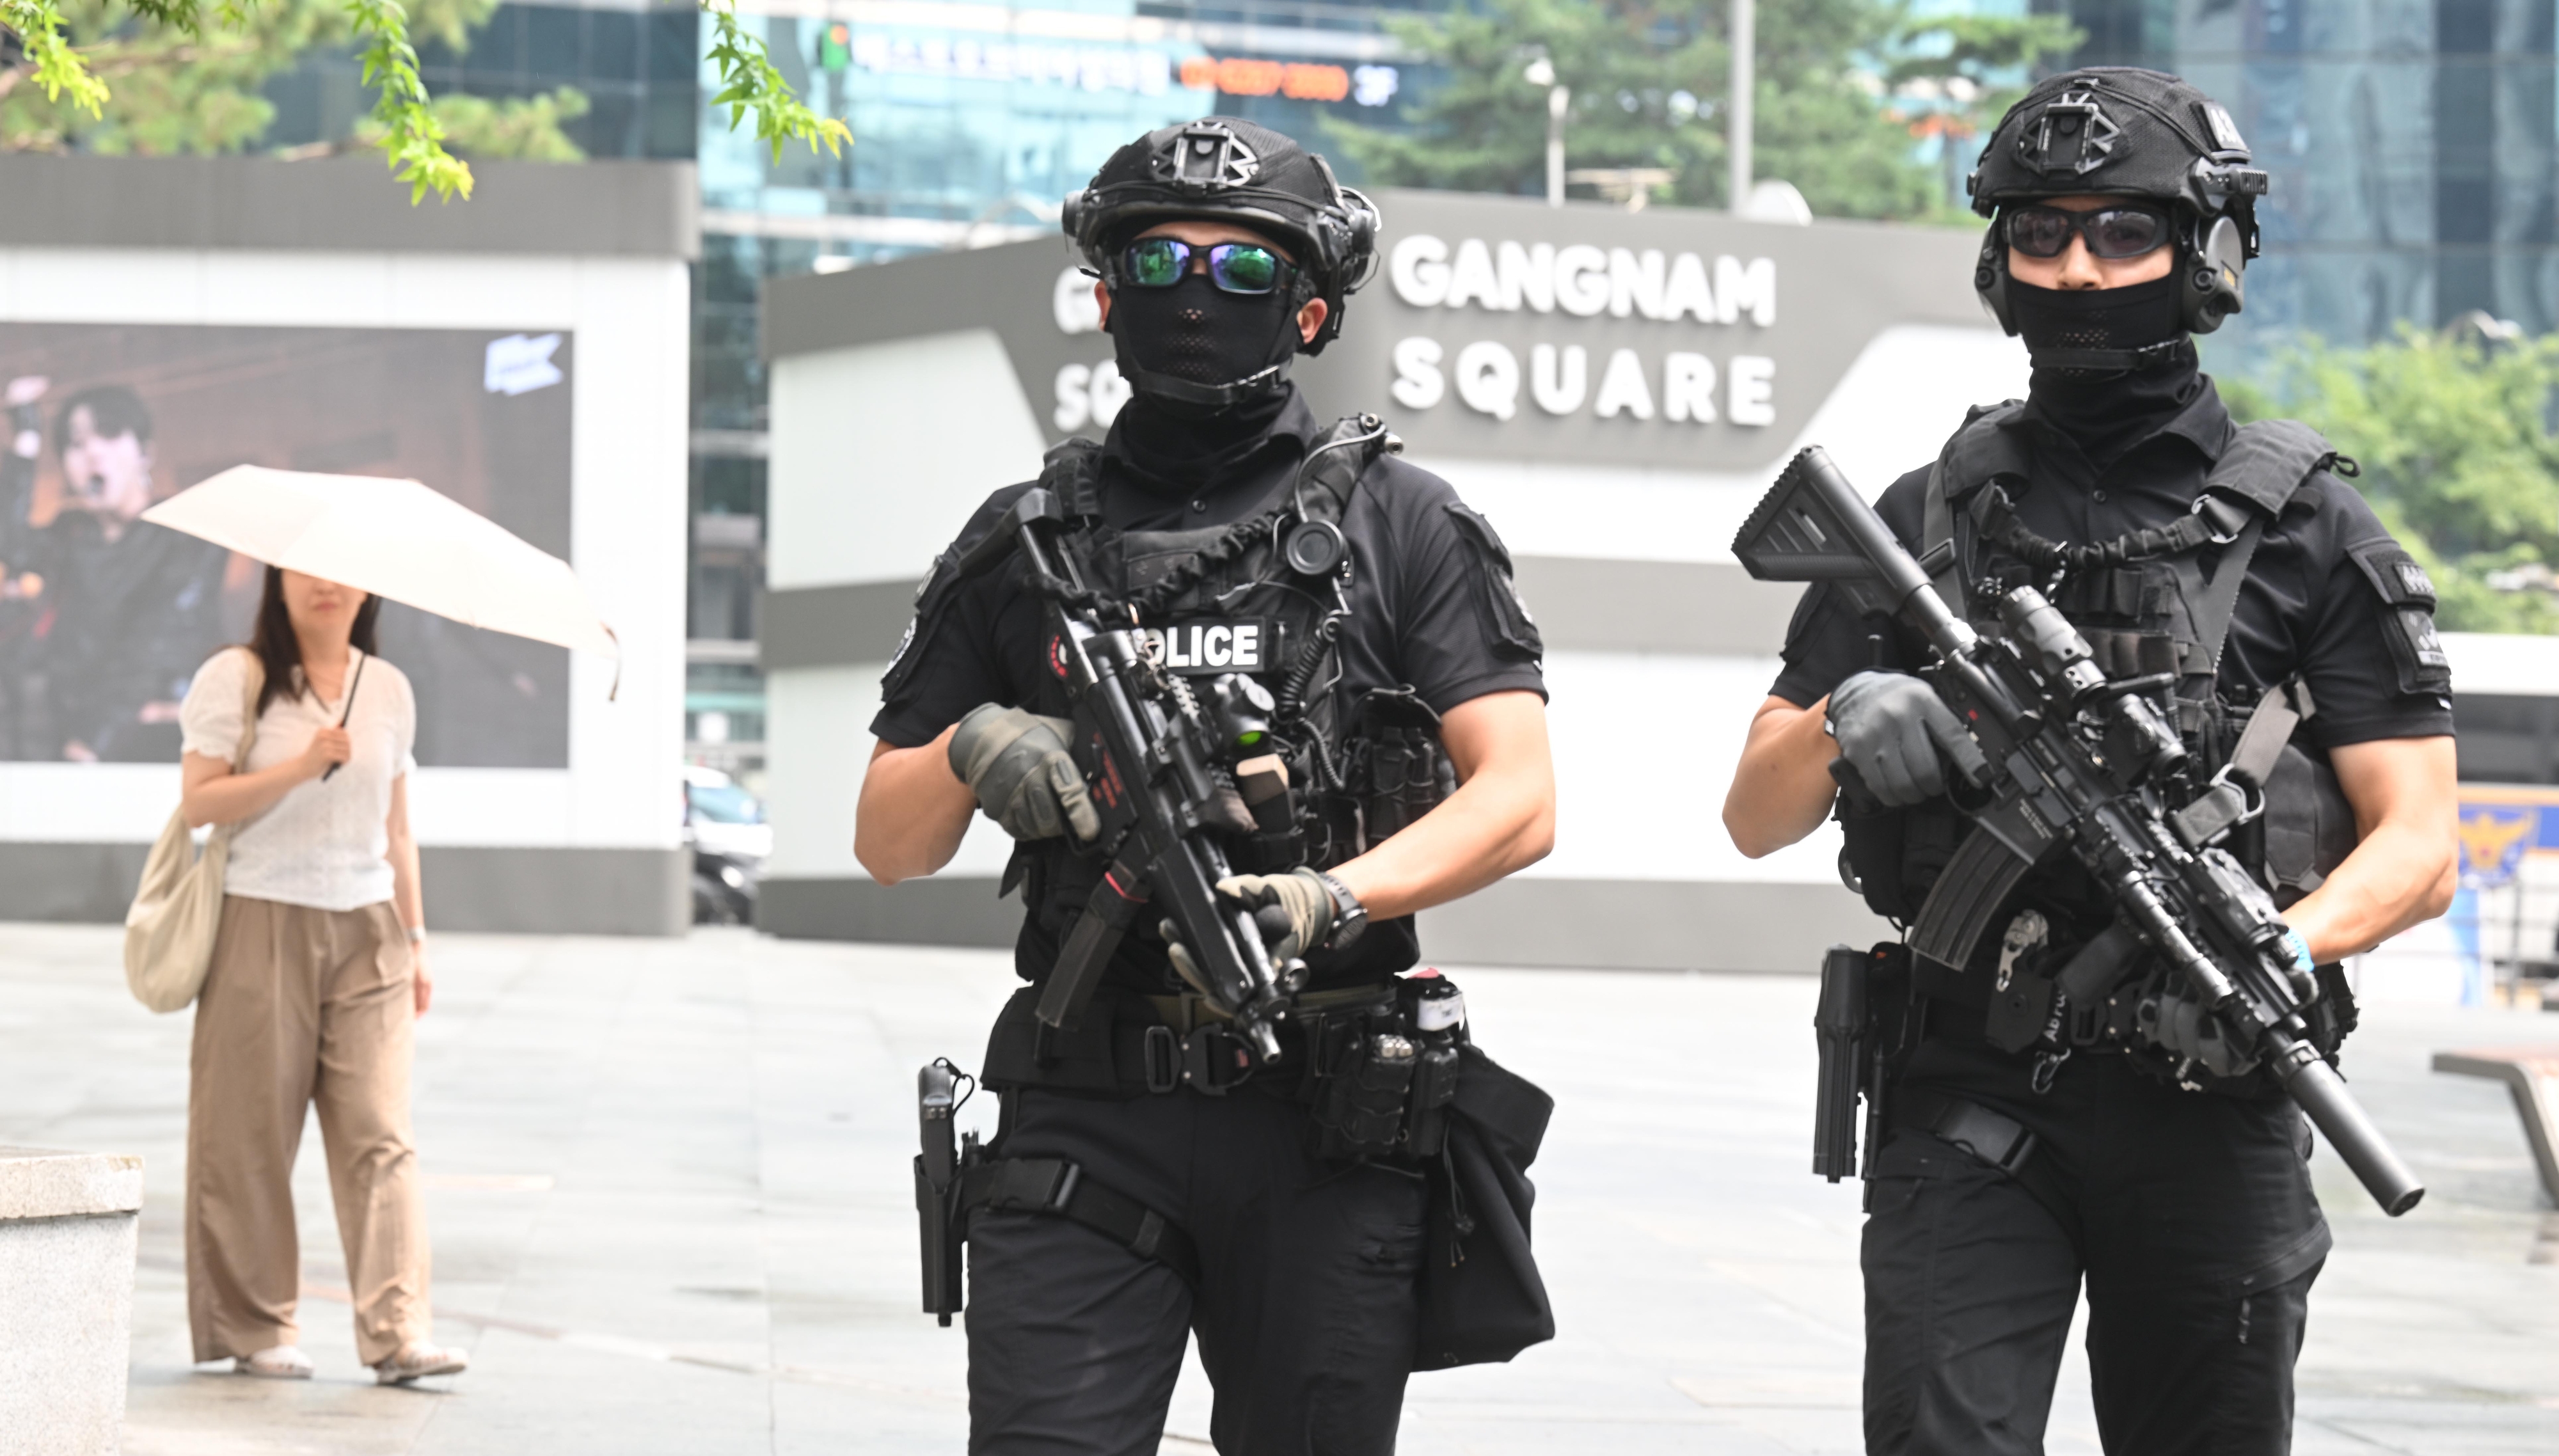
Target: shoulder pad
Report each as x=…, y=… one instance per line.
x=1071, y=471
x=1983, y=450
x=2269, y=462
x=1338, y=458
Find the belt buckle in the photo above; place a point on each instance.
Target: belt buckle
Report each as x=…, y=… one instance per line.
x=1163, y=1060
x=1204, y=1052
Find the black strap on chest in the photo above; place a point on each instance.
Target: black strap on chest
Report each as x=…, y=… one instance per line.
x=1968, y=506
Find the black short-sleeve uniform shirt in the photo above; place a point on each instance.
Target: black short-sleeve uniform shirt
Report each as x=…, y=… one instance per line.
x=1432, y=604
x=2307, y=607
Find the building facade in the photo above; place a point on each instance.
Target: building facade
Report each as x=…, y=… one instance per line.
x=2411, y=144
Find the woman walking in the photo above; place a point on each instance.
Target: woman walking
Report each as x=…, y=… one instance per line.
x=318, y=976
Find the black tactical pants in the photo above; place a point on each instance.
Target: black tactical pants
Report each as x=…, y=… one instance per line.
x=2188, y=1214
x=1304, y=1310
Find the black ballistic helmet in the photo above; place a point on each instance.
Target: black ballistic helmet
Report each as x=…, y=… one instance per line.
x=2114, y=131
x=1225, y=170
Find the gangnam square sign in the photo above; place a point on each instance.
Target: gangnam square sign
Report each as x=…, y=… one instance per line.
x=1502, y=327
x=1495, y=327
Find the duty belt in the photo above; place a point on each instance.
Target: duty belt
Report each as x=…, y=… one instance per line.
x=1190, y=1046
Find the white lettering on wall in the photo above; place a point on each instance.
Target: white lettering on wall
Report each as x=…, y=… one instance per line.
x=1528, y=276
x=1553, y=393
x=1635, y=282
x=1470, y=277
x=1688, y=389
x=1093, y=392
x=1622, y=388
x=1418, y=269
x=1687, y=292
x=1751, y=290
x=1418, y=384
x=1488, y=379
x=1752, y=401
x=1583, y=280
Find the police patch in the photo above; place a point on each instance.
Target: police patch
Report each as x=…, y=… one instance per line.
x=1210, y=644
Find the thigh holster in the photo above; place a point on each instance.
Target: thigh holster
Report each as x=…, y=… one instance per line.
x=1057, y=1188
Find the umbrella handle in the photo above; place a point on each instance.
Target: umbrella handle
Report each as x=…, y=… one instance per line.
x=348, y=712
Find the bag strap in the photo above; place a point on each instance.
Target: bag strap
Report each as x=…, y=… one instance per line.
x=2268, y=465
x=253, y=681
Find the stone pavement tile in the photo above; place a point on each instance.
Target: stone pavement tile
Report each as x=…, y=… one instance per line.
x=670, y=1192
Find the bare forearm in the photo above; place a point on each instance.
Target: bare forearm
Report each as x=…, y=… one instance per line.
x=409, y=891
x=913, y=811
x=1782, y=786
x=1494, y=824
x=2399, y=876
x=229, y=797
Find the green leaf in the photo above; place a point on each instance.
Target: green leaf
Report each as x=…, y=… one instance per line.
x=749, y=85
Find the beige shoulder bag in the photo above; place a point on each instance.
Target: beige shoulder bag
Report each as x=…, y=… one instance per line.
x=169, y=931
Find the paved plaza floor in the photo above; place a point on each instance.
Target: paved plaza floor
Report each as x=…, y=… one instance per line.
x=669, y=1193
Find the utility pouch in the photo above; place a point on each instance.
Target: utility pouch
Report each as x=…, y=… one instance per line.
x=1359, y=1111
x=1482, y=1299
x=1385, y=1075
x=1403, y=772
x=937, y=1169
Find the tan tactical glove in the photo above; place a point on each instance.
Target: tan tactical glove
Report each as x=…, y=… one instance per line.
x=1017, y=764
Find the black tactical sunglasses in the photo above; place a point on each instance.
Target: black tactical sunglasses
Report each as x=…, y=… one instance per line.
x=2127, y=230
x=1235, y=267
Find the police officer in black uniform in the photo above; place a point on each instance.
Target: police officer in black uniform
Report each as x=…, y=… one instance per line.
x=2240, y=579
x=1374, y=614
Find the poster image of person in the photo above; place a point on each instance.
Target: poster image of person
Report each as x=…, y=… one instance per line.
x=129, y=607
x=104, y=616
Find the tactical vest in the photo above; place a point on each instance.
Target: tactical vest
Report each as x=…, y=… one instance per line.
x=2157, y=603
x=1268, y=598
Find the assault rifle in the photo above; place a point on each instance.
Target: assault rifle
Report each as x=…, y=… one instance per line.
x=1151, y=749
x=2082, y=764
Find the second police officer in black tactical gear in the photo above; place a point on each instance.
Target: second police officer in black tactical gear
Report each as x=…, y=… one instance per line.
x=2240, y=577
x=1371, y=617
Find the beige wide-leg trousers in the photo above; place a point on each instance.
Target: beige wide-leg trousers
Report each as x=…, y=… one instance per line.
x=302, y=1005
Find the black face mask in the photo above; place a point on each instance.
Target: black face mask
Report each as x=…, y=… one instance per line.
x=1198, y=346
x=2138, y=324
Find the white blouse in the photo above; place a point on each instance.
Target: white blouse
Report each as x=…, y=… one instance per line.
x=323, y=844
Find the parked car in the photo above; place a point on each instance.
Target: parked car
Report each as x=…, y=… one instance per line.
x=726, y=827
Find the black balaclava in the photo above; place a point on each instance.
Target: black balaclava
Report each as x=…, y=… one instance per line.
x=1197, y=332
x=2108, y=411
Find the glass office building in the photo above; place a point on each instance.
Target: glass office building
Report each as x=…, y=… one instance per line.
x=2411, y=144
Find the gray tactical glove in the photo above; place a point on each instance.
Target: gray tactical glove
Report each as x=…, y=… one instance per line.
x=1301, y=895
x=1017, y=764
x=1891, y=729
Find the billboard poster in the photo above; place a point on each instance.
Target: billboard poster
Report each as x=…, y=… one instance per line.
x=104, y=617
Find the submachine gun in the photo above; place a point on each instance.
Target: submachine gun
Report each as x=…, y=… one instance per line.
x=1151, y=752
x=2078, y=762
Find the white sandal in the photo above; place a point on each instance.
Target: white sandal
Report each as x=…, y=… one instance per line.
x=420, y=1360
x=276, y=1363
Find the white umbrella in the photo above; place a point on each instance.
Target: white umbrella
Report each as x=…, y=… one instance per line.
x=395, y=539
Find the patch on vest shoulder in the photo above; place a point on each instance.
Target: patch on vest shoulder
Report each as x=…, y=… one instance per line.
x=1210, y=645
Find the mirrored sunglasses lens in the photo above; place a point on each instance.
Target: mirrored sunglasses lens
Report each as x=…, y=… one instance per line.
x=1158, y=262
x=2040, y=233
x=2124, y=233
x=1243, y=268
